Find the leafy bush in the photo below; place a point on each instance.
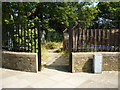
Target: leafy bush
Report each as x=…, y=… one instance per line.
x=60, y=50
x=54, y=36
x=51, y=45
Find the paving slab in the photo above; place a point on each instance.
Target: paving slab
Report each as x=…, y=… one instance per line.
x=13, y=82
x=106, y=77
x=51, y=78
x=93, y=84
x=63, y=85
x=76, y=80
x=46, y=83
x=59, y=77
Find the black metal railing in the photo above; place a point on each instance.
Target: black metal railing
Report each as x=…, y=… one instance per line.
x=21, y=37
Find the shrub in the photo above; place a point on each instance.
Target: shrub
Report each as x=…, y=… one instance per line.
x=60, y=50
x=51, y=45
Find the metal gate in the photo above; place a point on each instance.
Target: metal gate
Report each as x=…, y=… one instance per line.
x=23, y=37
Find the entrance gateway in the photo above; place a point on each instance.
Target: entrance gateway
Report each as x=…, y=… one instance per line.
x=84, y=36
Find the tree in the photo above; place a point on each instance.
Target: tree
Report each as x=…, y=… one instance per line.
x=109, y=10
x=53, y=16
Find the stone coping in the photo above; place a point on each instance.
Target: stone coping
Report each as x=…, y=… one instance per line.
x=25, y=53
x=95, y=52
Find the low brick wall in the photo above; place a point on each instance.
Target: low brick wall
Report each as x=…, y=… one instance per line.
x=83, y=62
x=20, y=61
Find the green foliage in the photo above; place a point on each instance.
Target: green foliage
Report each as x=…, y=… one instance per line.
x=51, y=45
x=14, y=12
x=87, y=13
x=52, y=15
x=54, y=18
x=109, y=10
x=26, y=37
x=54, y=36
x=60, y=50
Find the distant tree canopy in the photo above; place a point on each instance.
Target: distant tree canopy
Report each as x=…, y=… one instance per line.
x=52, y=15
x=109, y=10
x=55, y=16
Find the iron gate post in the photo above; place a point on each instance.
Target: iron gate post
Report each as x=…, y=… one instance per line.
x=70, y=46
x=39, y=47
x=78, y=43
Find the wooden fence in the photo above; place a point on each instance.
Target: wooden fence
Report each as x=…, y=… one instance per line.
x=93, y=36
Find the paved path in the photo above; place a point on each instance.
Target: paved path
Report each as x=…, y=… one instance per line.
x=56, y=61
x=53, y=78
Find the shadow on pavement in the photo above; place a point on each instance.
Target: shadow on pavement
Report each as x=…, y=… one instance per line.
x=61, y=64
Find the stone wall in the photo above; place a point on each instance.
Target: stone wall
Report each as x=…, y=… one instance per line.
x=20, y=61
x=83, y=62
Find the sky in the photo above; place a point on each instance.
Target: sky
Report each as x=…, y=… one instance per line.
x=95, y=3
